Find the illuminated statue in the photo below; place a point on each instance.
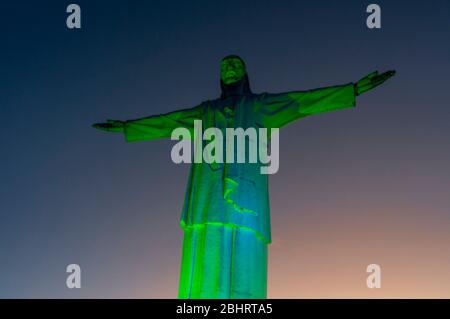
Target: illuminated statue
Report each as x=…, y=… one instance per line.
x=225, y=217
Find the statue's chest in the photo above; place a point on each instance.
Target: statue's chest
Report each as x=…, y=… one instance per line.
x=230, y=114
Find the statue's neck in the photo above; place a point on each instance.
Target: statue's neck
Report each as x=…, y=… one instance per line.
x=235, y=89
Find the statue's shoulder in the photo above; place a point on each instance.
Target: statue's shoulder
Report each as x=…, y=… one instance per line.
x=257, y=95
x=209, y=103
x=263, y=94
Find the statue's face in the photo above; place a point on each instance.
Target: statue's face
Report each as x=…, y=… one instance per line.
x=231, y=70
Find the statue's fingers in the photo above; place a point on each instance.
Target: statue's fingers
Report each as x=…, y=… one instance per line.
x=383, y=77
x=389, y=74
x=380, y=80
x=367, y=79
x=372, y=75
x=102, y=126
x=115, y=123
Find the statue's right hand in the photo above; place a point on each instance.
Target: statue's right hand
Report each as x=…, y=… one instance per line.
x=110, y=126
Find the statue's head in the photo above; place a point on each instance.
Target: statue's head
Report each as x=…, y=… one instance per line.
x=232, y=69
x=233, y=76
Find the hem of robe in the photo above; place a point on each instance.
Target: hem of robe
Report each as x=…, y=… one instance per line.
x=223, y=261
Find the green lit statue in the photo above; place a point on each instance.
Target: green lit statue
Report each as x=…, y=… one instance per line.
x=225, y=217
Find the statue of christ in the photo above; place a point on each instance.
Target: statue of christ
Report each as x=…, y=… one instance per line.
x=225, y=218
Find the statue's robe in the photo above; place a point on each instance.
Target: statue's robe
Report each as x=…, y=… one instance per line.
x=226, y=216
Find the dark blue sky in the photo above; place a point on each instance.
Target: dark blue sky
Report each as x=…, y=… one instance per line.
x=376, y=176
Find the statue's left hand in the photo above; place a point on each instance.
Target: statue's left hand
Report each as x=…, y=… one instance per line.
x=110, y=126
x=371, y=81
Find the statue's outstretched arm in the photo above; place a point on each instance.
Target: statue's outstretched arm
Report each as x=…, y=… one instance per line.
x=153, y=127
x=277, y=110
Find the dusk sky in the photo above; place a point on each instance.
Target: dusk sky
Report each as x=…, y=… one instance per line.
x=359, y=186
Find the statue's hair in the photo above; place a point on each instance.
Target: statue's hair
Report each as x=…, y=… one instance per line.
x=234, y=56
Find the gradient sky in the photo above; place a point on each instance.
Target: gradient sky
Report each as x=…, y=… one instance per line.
x=355, y=187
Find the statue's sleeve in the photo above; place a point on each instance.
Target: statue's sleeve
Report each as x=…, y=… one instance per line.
x=161, y=126
x=277, y=110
